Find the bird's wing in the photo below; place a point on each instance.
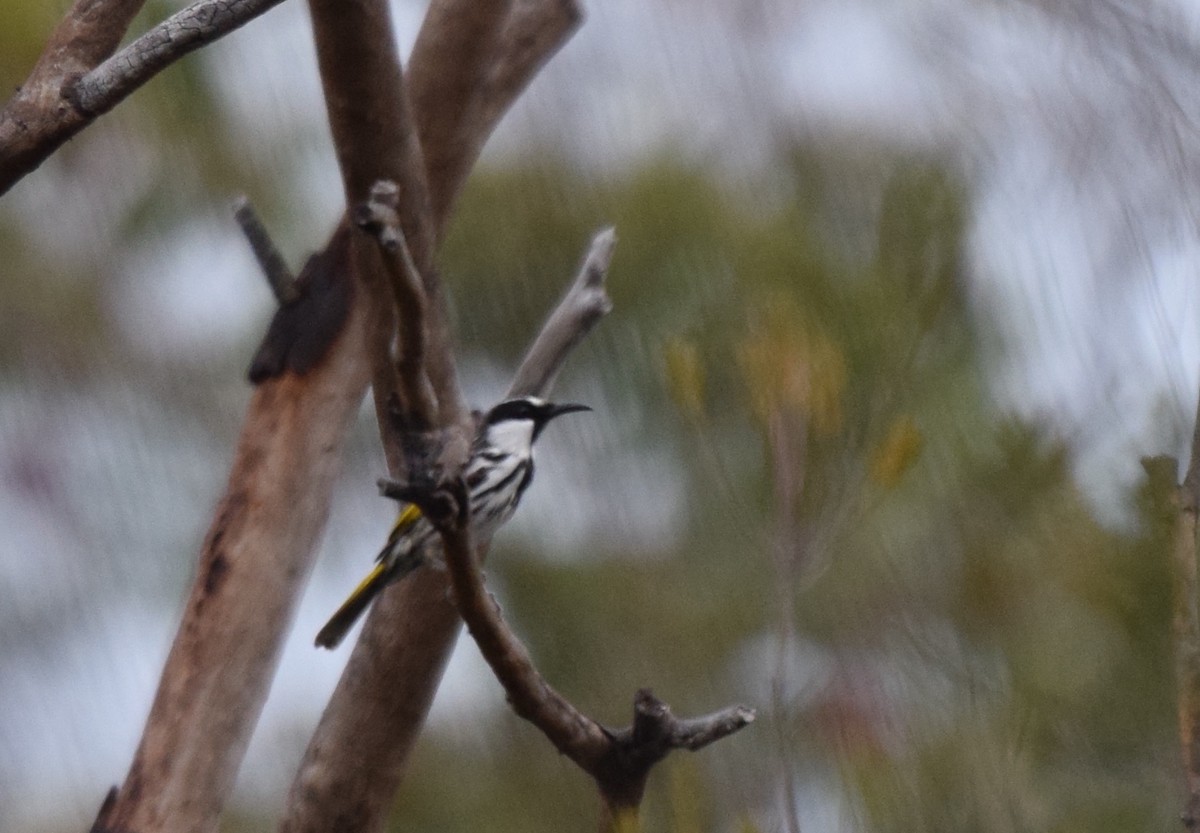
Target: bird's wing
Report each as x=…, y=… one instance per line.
x=491, y=472
x=405, y=521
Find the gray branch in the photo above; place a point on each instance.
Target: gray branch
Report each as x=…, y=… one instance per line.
x=585, y=303
x=697, y=732
x=199, y=24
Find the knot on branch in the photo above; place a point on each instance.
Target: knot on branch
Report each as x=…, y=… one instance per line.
x=621, y=774
x=378, y=216
x=445, y=503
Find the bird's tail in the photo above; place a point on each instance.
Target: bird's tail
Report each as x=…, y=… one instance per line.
x=399, y=557
x=340, y=623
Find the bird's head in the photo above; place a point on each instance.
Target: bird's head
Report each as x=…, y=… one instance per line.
x=530, y=410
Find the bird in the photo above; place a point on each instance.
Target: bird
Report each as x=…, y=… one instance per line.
x=497, y=473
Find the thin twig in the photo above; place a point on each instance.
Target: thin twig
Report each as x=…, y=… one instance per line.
x=572, y=733
x=378, y=217
x=274, y=267
x=698, y=732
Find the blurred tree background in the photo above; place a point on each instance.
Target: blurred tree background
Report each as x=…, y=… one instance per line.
x=807, y=484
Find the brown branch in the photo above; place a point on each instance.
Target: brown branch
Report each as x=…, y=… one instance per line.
x=618, y=761
x=73, y=83
x=253, y=564
x=38, y=118
x=535, y=31
x=451, y=58
x=471, y=61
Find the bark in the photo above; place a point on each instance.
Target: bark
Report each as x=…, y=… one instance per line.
x=253, y=564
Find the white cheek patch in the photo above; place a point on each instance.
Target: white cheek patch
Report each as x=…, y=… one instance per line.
x=514, y=436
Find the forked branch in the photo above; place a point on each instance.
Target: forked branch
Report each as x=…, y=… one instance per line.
x=618, y=761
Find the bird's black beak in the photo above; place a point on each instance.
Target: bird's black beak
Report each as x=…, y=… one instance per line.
x=553, y=411
x=550, y=411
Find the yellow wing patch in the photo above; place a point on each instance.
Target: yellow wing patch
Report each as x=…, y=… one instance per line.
x=405, y=521
x=408, y=516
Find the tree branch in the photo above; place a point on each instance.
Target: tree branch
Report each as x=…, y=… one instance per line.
x=187, y=30
x=69, y=86
x=535, y=31
x=254, y=561
x=619, y=762
x=451, y=58
x=274, y=267
x=471, y=61
x=695, y=733
x=585, y=303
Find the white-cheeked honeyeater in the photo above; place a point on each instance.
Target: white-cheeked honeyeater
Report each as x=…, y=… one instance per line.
x=497, y=474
